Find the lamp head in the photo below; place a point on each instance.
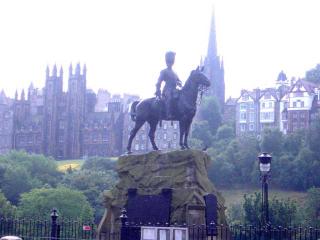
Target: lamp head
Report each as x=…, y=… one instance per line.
x=265, y=162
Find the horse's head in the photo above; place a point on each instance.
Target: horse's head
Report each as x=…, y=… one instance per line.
x=199, y=78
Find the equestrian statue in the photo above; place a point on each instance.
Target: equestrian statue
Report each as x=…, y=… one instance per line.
x=170, y=105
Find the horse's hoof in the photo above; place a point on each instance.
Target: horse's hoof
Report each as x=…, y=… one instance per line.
x=182, y=147
x=156, y=149
x=186, y=147
x=129, y=152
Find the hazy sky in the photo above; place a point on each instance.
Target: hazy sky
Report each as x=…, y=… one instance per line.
x=123, y=42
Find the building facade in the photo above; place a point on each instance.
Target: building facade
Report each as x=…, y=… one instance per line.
x=73, y=124
x=287, y=106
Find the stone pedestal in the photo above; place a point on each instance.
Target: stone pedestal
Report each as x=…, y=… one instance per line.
x=185, y=172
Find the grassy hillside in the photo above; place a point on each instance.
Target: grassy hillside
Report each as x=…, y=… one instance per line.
x=235, y=196
x=73, y=164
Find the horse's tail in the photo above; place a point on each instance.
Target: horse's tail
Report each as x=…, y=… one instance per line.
x=133, y=112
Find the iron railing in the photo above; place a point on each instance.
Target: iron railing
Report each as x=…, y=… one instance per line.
x=71, y=230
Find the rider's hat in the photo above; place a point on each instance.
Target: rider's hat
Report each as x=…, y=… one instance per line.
x=170, y=55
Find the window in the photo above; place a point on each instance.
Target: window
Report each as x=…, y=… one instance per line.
x=243, y=116
x=175, y=125
x=164, y=136
x=263, y=105
x=302, y=104
x=251, y=105
x=242, y=127
x=251, y=117
x=294, y=104
x=143, y=137
x=270, y=105
x=243, y=106
x=251, y=127
x=175, y=136
x=136, y=147
x=266, y=116
x=165, y=126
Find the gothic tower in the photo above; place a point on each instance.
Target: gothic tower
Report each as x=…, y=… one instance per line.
x=53, y=92
x=214, y=68
x=76, y=111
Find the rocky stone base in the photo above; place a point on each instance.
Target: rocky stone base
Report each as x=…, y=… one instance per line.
x=185, y=172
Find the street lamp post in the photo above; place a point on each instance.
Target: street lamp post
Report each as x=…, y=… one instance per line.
x=265, y=167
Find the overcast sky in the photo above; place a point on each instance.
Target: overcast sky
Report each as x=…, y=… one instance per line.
x=123, y=42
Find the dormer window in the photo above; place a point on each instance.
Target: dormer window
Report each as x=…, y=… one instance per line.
x=245, y=97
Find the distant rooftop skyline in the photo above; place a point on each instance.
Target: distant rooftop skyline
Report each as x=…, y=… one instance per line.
x=123, y=42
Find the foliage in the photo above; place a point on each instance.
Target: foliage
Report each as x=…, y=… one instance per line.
x=281, y=212
x=6, y=209
x=233, y=160
x=313, y=75
x=71, y=204
x=91, y=184
x=210, y=111
x=201, y=131
x=272, y=141
x=313, y=206
x=99, y=164
x=20, y=172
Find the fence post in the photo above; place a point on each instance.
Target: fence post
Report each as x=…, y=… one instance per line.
x=124, y=218
x=54, y=225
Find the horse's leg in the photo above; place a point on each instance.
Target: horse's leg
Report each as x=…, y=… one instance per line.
x=181, y=127
x=153, y=127
x=133, y=133
x=186, y=134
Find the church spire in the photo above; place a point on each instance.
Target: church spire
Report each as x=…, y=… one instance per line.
x=212, y=46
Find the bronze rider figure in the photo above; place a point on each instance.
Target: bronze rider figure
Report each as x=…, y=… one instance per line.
x=171, y=82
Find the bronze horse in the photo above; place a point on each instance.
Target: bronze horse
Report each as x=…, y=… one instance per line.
x=151, y=110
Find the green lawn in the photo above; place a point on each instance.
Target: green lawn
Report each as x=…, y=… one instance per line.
x=235, y=196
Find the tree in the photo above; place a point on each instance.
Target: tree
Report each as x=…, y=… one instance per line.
x=210, y=111
x=293, y=142
x=99, y=164
x=272, y=141
x=6, y=209
x=314, y=137
x=201, y=131
x=313, y=206
x=91, y=184
x=281, y=212
x=17, y=180
x=225, y=132
x=313, y=75
x=20, y=172
x=71, y=204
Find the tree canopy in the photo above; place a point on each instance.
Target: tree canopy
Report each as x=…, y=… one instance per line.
x=71, y=204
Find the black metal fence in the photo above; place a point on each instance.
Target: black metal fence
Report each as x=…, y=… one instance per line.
x=71, y=230
x=222, y=232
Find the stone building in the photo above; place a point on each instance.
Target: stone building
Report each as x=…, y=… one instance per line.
x=214, y=68
x=73, y=124
x=288, y=106
x=6, y=123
